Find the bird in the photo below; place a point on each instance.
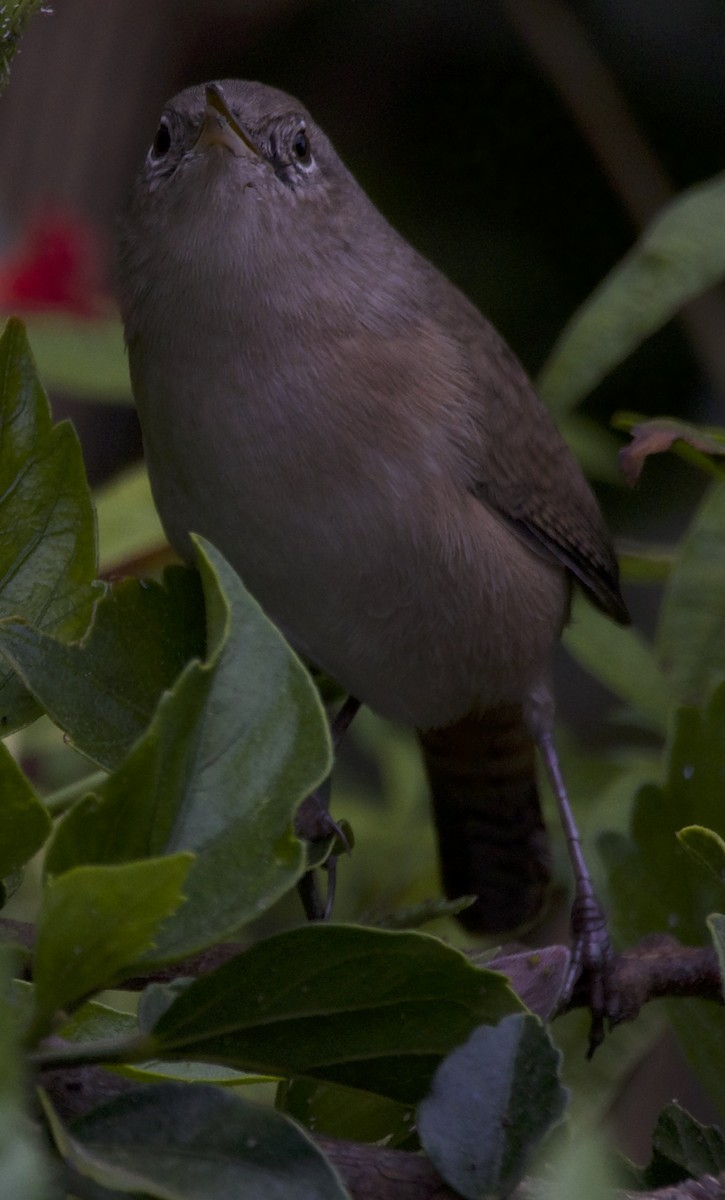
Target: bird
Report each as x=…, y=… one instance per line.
x=319, y=401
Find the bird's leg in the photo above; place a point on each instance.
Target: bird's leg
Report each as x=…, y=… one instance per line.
x=313, y=823
x=591, y=952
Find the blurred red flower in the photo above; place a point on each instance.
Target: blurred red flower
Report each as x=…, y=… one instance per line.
x=59, y=264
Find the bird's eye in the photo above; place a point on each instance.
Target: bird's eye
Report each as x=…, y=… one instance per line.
x=301, y=147
x=162, y=142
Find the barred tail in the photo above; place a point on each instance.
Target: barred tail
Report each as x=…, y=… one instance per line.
x=491, y=836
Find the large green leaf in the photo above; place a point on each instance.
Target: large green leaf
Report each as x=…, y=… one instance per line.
x=103, y=691
x=232, y=750
x=691, y=633
x=681, y=254
x=194, y=1142
x=96, y=923
x=367, y=1008
x=23, y=1169
x=481, y=1138
x=47, y=528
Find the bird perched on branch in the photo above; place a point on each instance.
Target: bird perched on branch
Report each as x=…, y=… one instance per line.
x=328, y=409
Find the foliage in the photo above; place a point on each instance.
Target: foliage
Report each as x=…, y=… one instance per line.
x=205, y=732
x=14, y=16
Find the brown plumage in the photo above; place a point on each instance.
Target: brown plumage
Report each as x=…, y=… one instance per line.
x=319, y=401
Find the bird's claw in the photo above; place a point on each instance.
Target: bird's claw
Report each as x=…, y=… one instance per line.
x=590, y=968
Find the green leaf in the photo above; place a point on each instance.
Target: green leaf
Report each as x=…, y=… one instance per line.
x=96, y=923
x=581, y=1167
x=23, y=1169
x=656, y=885
x=645, y=564
x=24, y=823
x=690, y=639
x=47, y=529
x=594, y=447
x=681, y=254
x=341, y=1112
x=194, y=1142
x=96, y=1022
x=16, y=14
x=81, y=356
x=366, y=1008
x=706, y=847
x=716, y=925
x=103, y=690
x=683, y=1149
x=621, y=659
x=492, y=1101
x=229, y=755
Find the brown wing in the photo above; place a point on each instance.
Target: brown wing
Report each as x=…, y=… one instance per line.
x=528, y=475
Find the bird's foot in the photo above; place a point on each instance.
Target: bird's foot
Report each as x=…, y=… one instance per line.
x=590, y=969
x=326, y=840
x=313, y=822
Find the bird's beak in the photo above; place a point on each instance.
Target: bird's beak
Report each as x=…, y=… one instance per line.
x=220, y=128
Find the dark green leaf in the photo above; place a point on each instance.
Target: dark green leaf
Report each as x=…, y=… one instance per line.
x=194, y=1142
x=96, y=923
x=683, y=1149
x=103, y=690
x=691, y=633
x=681, y=254
x=229, y=755
x=47, y=529
x=24, y=823
x=492, y=1101
x=366, y=1008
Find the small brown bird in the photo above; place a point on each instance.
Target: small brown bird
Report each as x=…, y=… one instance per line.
x=334, y=415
